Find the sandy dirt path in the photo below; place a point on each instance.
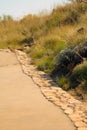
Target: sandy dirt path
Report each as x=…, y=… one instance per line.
x=22, y=106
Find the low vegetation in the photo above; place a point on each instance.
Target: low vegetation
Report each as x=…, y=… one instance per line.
x=56, y=42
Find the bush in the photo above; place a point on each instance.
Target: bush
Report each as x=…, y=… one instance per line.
x=45, y=64
x=84, y=86
x=82, y=49
x=63, y=83
x=79, y=75
x=68, y=56
x=65, y=62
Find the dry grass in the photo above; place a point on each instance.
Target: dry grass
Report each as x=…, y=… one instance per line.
x=65, y=26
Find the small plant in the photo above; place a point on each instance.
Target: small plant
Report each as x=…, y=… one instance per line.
x=45, y=64
x=37, y=52
x=63, y=83
x=65, y=62
x=79, y=75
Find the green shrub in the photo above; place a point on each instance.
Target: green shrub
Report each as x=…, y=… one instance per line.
x=63, y=83
x=65, y=62
x=45, y=64
x=84, y=86
x=79, y=75
x=81, y=49
x=68, y=56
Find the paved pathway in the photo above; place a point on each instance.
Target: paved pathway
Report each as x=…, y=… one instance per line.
x=22, y=106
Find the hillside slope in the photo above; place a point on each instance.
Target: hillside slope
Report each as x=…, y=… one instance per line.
x=56, y=42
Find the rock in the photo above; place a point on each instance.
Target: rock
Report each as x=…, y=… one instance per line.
x=49, y=95
x=69, y=111
x=72, y=100
x=75, y=117
x=57, y=102
x=64, y=106
x=80, y=124
x=85, y=120
x=53, y=99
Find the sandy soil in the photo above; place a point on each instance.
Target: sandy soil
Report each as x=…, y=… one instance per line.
x=22, y=106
